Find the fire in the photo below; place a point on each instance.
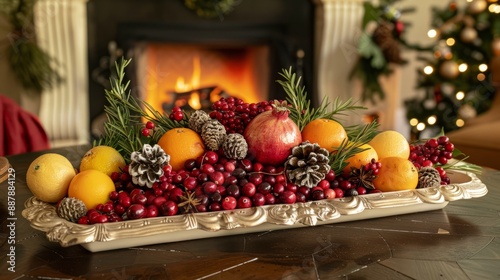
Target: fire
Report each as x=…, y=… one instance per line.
x=194, y=83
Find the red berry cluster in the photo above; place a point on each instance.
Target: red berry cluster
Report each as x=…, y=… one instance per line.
x=176, y=114
x=211, y=183
x=148, y=129
x=235, y=114
x=435, y=152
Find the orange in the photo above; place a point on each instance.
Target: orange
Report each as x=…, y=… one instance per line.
x=396, y=174
x=102, y=158
x=361, y=158
x=329, y=134
x=181, y=144
x=48, y=177
x=390, y=143
x=92, y=187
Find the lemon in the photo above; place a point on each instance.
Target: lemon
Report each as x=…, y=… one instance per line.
x=396, y=174
x=102, y=158
x=48, y=177
x=390, y=143
x=92, y=187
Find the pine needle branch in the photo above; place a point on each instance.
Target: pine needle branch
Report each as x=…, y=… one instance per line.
x=301, y=112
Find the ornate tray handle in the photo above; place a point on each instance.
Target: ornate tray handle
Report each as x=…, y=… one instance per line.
x=43, y=216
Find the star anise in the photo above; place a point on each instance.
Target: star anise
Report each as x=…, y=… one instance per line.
x=362, y=178
x=189, y=202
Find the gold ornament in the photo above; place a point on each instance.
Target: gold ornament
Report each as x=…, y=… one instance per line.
x=477, y=6
x=449, y=69
x=468, y=34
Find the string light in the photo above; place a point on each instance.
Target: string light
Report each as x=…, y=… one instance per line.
x=481, y=77
x=460, y=95
x=432, y=33
x=483, y=67
x=420, y=126
x=450, y=42
x=428, y=69
x=431, y=120
x=460, y=122
x=462, y=67
x=413, y=122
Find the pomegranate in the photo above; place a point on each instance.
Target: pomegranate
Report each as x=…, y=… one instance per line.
x=271, y=135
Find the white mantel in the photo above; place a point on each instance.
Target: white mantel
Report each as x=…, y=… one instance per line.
x=61, y=28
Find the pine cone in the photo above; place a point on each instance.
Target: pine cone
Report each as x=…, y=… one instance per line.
x=197, y=120
x=235, y=146
x=383, y=36
x=71, y=209
x=213, y=134
x=428, y=177
x=307, y=165
x=146, y=166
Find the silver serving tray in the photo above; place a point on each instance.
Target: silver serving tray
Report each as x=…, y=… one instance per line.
x=132, y=233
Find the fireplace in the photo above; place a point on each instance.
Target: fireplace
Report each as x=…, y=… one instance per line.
x=182, y=59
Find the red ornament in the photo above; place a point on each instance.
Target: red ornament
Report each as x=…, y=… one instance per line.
x=399, y=27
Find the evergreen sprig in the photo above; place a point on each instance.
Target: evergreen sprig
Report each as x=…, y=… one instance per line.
x=121, y=130
x=301, y=111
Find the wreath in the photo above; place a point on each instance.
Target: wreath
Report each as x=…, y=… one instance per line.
x=28, y=61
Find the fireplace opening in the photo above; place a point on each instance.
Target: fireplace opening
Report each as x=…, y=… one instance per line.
x=193, y=76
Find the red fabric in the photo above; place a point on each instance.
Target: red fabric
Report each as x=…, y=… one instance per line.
x=20, y=131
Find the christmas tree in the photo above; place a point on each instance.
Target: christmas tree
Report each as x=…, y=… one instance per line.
x=455, y=77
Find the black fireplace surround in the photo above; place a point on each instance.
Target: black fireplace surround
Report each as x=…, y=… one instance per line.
x=286, y=26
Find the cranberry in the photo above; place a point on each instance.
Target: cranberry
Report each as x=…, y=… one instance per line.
x=219, y=167
x=113, y=195
x=229, y=203
x=146, y=132
x=244, y=202
x=330, y=176
x=329, y=193
x=125, y=201
x=99, y=219
x=270, y=199
x=119, y=209
x=339, y=192
x=108, y=208
x=264, y=188
x=258, y=199
x=175, y=193
x=216, y=197
x=190, y=164
x=233, y=190
x=201, y=208
x=214, y=206
x=239, y=173
x=249, y=189
x=231, y=180
x=151, y=211
x=301, y=197
x=210, y=157
x=271, y=179
x=443, y=160
x=304, y=190
x=169, y=208
x=246, y=164
x=207, y=168
x=427, y=163
x=443, y=140
x=202, y=178
x=432, y=142
x=209, y=187
x=278, y=188
x=346, y=185
x=257, y=167
x=255, y=178
x=158, y=201
x=292, y=187
x=222, y=190
x=229, y=166
x=150, y=125
x=318, y=195
x=115, y=176
x=288, y=197
x=167, y=169
x=84, y=220
x=136, y=211
x=190, y=183
x=136, y=191
x=139, y=199
x=217, y=177
x=324, y=184
x=280, y=179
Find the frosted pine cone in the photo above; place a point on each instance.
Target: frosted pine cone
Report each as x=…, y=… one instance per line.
x=213, y=134
x=146, y=166
x=197, y=120
x=428, y=177
x=71, y=209
x=307, y=165
x=235, y=146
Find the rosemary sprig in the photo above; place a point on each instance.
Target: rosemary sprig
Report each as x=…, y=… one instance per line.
x=121, y=130
x=301, y=111
x=359, y=135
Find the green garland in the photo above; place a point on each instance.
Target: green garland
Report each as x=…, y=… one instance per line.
x=379, y=46
x=28, y=61
x=212, y=8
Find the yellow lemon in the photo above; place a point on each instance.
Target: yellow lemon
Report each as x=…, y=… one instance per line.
x=361, y=158
x=390, y=143
x=396, y=174
x=92, y=187
x=48, y=177
x=102, y=158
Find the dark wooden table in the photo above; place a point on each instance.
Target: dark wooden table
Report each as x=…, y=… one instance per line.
x=461, y=241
